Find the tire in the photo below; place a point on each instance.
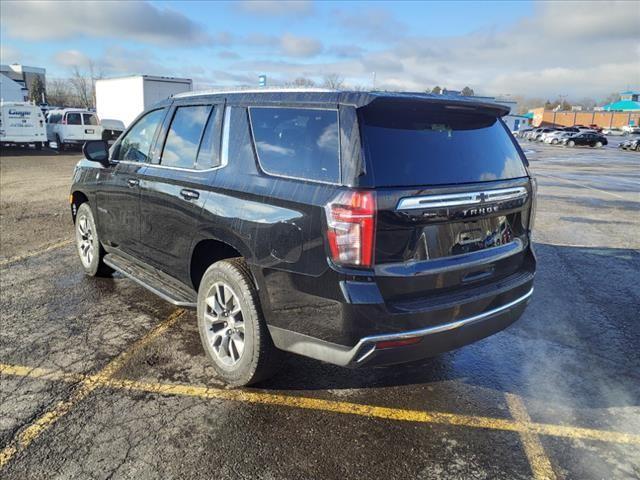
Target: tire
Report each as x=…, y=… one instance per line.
x=571, y=143
x=88, y=244
x=39, y=145
x=598, y=144
x=554, y=141
x=239, y=346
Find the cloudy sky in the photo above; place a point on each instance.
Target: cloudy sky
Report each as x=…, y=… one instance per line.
x=532, y=48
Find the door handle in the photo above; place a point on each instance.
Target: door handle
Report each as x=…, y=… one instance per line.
x=133, y=182
x=189, y=194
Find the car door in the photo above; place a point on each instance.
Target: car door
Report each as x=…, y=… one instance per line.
x=118, y=197
x=71, y=127
x=92, y=129
x=174, y=186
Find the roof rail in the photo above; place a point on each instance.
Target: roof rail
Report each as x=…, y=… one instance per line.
x=214, y=91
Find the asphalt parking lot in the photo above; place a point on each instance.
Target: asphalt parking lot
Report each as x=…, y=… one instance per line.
x=101, y=379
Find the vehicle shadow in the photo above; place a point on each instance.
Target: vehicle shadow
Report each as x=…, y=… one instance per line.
x=577, y=341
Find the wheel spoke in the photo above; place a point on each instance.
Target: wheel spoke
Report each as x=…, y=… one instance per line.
x=213, y=320
x=228, y=298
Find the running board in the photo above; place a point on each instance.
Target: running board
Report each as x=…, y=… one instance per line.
x=154, y=280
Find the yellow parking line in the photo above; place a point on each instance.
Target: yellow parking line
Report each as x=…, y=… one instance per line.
x=23, y=439
x=538, y=460
x=45, y=249
x=387, y=413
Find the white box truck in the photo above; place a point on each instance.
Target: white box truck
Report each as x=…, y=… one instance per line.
x=125, y=98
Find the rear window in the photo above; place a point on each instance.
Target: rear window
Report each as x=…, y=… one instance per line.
x=74, y=119
x=437, y=146
x=297, y=142
x=90, y=119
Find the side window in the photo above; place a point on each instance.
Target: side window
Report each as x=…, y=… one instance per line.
x=207, y=157
x=89, y=119
x=74, y=119
x=181, y=146
x=297, y=142
x=136, y=143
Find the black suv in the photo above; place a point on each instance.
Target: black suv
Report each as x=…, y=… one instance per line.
x=351, y=227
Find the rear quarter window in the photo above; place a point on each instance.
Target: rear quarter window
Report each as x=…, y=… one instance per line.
x=297, y=142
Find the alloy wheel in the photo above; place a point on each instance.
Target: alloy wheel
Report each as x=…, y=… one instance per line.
x=85, y=240
x=224, y=324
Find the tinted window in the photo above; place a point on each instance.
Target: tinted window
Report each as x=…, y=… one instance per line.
x=74, y=119
x=54, y=118
x=136, y=143
x=436, y=146
x=296, y=142
x=181, y=146
x=89, y=119
x=207, y=157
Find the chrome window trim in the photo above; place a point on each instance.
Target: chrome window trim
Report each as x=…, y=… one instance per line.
x=290, y=177
x=224, y=155
x=463, y=198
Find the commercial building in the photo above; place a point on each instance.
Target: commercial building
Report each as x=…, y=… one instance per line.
x=629, y=102
x=11, y=91
x=625, y=111
x=23, y=75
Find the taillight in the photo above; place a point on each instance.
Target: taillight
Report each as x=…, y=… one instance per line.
x=351, y=221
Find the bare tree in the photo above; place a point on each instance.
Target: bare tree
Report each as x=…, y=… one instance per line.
x=60, y=92
x=84, y=85
x=81, y=88
x=302, y=82
x=333, y=81
x=467, y=92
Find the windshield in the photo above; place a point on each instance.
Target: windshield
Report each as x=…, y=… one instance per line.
x=437, y=146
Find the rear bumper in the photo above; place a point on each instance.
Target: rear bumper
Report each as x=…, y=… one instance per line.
x=430, y=341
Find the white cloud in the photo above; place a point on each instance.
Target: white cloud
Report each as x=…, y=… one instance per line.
x=295, y=46
x=71, y=58
x=9, y=54
x=276, y=7
x=140, y=21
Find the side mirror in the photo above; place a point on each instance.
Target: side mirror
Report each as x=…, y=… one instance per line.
x=96, y=151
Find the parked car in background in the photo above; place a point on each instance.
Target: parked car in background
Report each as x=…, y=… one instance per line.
x=537, y=136
x=111, y=129
x=72, y=127
x=585, y=139
x=555, y=138
x=595, y=127
x=22, y=123
x=629, y=129
x=316, y=222
x=522, y=132
x=613, y=131
x=631, y=144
